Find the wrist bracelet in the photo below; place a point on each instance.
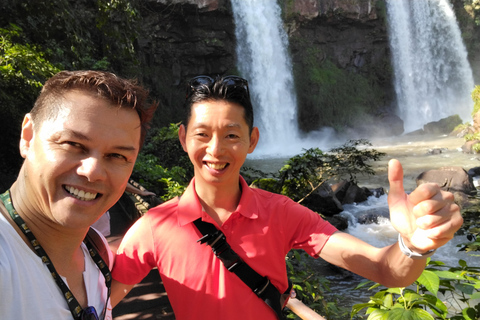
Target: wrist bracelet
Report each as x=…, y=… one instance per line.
x=411, y=254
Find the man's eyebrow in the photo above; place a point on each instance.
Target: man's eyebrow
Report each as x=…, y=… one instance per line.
x=125, y=148
x=204, y=125
x=74, y=134
x=81, y=136
x=234, y=125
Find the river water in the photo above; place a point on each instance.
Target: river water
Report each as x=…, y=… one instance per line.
x=414, y=152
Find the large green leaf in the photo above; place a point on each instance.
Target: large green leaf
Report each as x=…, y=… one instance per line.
x=402, y=314
x=429, y=280
x=357, y=307
x=377, y=315
x=469, y=314
x=448, y=275
x=465, y=288
x=475, y=296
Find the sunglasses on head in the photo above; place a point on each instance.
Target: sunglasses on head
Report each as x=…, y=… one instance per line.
x=89, y=313
x=200, y=82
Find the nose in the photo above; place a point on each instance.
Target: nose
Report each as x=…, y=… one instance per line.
x=215, y=146
x=92, y=168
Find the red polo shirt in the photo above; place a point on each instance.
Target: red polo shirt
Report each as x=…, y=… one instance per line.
x=262, y=230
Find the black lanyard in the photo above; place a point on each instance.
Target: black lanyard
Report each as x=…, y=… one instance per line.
x=73, y=304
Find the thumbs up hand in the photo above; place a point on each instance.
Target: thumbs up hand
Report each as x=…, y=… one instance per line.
x=427, y=218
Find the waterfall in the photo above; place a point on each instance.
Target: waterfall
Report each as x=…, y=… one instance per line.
x=433, y=78
x=264, y=61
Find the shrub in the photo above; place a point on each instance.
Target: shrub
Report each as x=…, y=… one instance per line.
x=461, y=286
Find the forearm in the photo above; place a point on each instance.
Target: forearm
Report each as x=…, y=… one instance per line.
x=119, y=291
x=387, y=266
x=396, y=269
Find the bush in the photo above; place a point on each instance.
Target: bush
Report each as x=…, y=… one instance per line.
x=310, y=287
x=304, y=173
x=162, y=166
x=461, y=286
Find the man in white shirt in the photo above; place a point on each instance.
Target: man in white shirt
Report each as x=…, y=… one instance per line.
x=80, y=142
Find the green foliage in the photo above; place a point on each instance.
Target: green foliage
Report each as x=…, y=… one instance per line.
x=39, y=38
x=304, y=173
x=167, y=183
x=162, y=166
x=117, y=21
x=22, y=63
x=476, y=148
x=460, y=286
x=310, y=287
x=164, y=144
x=472, y=136
x=471, y=229
x=462, y=126
x=80, y=34
x=258, y=178
x=472, y=7
x=23, y=69
x=352, y=159
x=331, y=96
x=476, y=100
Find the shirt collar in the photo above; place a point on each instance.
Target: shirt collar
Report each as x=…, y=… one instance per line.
x=190, y=209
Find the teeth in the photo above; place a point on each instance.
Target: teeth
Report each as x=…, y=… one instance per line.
x=216, y=166
x=80, y=194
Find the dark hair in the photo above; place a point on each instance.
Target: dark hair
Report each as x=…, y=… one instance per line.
x=229, y=88
x=121, y=92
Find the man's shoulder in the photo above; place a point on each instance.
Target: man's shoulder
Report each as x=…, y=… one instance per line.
x=8, y=235
x=167, y=208
x=268, y=195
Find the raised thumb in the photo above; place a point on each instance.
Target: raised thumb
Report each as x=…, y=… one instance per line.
x=395, y=178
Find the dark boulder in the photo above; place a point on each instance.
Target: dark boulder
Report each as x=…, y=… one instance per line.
x=323, y=201
x=453, y=179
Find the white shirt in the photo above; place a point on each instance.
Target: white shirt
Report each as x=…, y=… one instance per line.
x=27, y=289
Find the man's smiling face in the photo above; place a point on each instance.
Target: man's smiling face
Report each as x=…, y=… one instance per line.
x=217, y=140
x=77, y=164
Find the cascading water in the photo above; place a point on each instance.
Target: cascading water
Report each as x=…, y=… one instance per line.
x=433, y=78
x=263, y=59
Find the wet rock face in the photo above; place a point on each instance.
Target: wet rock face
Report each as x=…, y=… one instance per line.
x=356, y=10
x=181, y=39
x=189, y=37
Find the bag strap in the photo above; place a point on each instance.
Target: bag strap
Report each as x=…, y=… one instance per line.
x=96, y=241
x=261, y=286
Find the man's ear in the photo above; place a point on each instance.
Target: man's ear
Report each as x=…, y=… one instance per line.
x=182, y=136
x=254, y=136
x=26, y=135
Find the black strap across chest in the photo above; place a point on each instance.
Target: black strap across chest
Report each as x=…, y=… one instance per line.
x=91, y=242
x=260, y=285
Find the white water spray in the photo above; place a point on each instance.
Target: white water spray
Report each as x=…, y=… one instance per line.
x=433, y=78
x=264, y=61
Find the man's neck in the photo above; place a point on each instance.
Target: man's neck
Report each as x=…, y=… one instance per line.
x=218, y=201
x=62, y=245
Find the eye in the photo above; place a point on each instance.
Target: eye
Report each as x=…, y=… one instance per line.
x=72, y=145
x=232, y=136
x=201, y=135
x=117, y=156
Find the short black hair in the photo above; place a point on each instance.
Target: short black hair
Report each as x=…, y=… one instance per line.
x=228, y=88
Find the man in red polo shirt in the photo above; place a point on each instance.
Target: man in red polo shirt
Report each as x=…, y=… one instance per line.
x=261, y=227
